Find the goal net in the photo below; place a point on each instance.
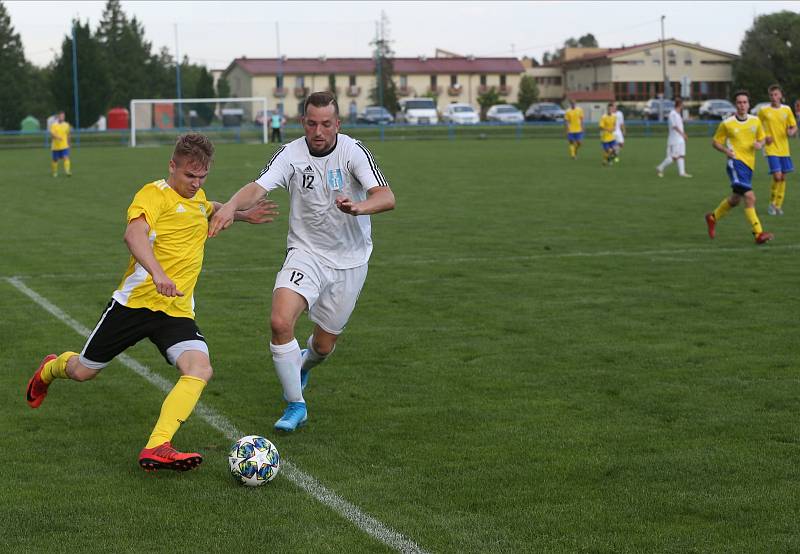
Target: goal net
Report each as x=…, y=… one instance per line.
x=156, y=121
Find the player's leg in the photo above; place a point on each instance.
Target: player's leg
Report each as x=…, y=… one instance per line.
x=786, y=167
x=67, y=165
x=666, y=162
x=752, y=218
x=775, y=190
x=54, y=156
x=682, y=167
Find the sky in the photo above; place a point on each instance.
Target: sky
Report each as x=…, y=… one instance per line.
x=214, y=33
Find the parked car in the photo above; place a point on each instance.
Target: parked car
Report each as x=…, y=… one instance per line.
x=716, y=109
x=504, y=113
x=418, y=111
x=460, y=114
x=755, y=109
x=375, y=115
x=544, y=111
x=651, y=109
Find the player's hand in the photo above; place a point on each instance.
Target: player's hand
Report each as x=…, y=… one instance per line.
x=262, y=212
x=221, y=220
x=769, y=140
x=347, y=206
x=730, y=153
x=165, y=286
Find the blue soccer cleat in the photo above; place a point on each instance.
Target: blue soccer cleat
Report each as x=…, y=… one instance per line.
x=295, y=416
x=304, y=373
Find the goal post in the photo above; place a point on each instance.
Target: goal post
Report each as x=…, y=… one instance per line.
x=155, y=116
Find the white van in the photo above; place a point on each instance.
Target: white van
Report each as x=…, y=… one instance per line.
x=419, y=111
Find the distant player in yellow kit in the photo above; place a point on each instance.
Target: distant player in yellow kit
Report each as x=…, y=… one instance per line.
x=779, y=124
x=573, y=119
x=738, y=137
x=59, y=145
x=608, y=123
x=166, y=235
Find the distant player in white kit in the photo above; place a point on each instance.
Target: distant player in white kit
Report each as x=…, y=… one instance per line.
x=676, y=141
x=334, y=184
x=619, y=131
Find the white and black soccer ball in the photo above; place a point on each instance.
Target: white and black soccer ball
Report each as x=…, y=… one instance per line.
x=254, y=460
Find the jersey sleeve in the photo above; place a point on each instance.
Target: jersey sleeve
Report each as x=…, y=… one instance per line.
x=791, y=121
x=148, y=202
x=760, y=134
x=277, y=172
x=365, y=169
x=721, y=136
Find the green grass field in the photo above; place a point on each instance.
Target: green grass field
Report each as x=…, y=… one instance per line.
x=548, y=356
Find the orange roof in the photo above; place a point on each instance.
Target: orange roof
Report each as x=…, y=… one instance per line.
x=300, y=66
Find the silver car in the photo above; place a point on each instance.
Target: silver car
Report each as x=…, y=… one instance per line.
x=716, y=109
x=504, y=113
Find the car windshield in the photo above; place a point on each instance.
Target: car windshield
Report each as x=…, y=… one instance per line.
x=506, y=109
x=722, y=104
x=376, y=111
x=420, y=105
x=462, y=109
x=550, y=108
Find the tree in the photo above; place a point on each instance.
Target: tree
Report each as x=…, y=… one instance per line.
x=770, y=53
x=93, y=82
x=223, y=90
x=528, y=92
x=14, y=68
x=204, y=88
x=385, y=91
x=488, y=99
x=586, y=41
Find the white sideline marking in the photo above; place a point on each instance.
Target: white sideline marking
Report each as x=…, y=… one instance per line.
x=308, y=483
x=667, y=254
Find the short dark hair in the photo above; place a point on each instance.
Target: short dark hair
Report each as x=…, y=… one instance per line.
x=776, y=86
x=678, y=101
x=194, y=148
x=321, y=100
x=739, y=93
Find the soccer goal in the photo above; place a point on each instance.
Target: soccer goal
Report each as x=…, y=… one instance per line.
x=158, y=120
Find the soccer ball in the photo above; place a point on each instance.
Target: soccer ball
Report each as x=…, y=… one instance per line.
x=254, y=460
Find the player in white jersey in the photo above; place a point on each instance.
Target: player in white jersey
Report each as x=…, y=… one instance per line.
x=676, y=141
x=334, y=185
x=619, y=131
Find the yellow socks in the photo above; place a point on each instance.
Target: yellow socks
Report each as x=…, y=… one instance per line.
x=67, y=166
x=722, y=210
x=54, y=168
x=780, y=193
x=572, y=150
x=752, y=218
x=56, y=369
x=177, y=407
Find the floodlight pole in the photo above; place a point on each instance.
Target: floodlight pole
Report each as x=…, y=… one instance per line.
x=667, y=86
x=75, y=83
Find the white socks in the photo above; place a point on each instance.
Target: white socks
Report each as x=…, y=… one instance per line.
x=665, y=163
x=312, y=358
x=287, y=366
x=681, y=166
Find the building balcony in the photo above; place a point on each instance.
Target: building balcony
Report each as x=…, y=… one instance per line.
x=435, y=90
x=353, y=91
x=483, y=89
x=455, y=90
x=300, y=92
x=406, y=91
x=279, y=92
x=504, y=90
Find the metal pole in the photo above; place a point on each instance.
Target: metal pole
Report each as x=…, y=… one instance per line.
x=280, y=66
x=667, y=85
x=75, y=84
x=178, y=77
x=379, y=58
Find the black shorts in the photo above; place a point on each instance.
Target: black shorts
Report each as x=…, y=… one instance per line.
x=121, y=327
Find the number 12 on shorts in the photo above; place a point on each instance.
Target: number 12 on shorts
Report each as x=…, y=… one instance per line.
x=296, y=277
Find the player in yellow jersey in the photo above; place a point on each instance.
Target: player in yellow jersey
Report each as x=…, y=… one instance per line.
x=738, y=137
x=573, y=120
x=779, y=124
x=608, y=123
x=166, y=235
x=59, y=145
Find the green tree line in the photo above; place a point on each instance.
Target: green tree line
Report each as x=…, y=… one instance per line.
x=115, y=65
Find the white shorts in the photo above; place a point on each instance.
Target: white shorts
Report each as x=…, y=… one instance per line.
x=677, y=150
x=331, y=293
x=619, y=137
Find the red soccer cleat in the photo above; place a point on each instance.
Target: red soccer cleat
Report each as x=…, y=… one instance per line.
x=164, y=456
x=764, y=237
x=711, y=221
x=37, y=389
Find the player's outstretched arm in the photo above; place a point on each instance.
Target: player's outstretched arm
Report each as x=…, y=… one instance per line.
x=379, y=199
x=724, y=149
x=244, y=199
x=136, y=237
x=264, y=211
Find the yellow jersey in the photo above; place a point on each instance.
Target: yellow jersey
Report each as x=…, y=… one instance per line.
x=740, y=136
x=607, y=125
x=574, y=119
x=776, y=122
x=59, y=136
x=178, y=232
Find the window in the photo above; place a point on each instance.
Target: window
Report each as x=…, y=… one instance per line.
x=483, y=80
x=714, y=62
x=656, y=61
x=300, y=81
x=671, y=61
x=352, y=80
x=502, y=80
x=433, y=81
x=453, y=80
x=687, y=61
x=403, y=81
x=278, y=81
x=704, y=88
x=557, y=81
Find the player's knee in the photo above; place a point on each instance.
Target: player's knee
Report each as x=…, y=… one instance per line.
x=201, y=371
x=323, y=347
x=281, y=326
